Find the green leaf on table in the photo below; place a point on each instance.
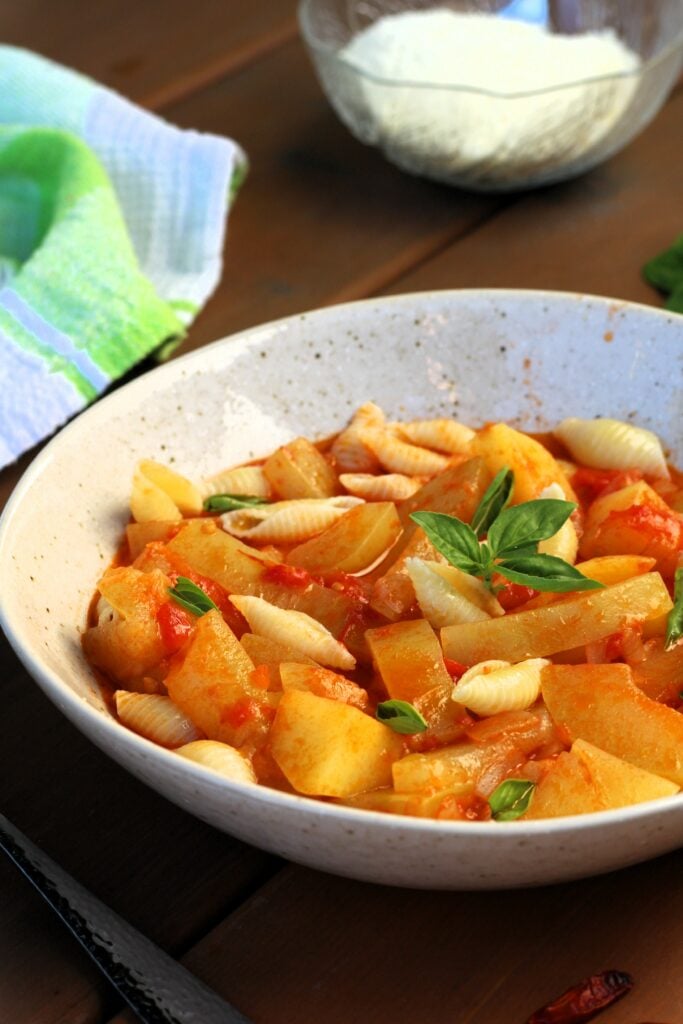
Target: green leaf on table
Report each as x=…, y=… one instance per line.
x=496, y=497
x=454, y=539
x=511, y=799
x=528, y=523
x=191, y=597
x=401, y=716
x=665, y=271
x=231, y=502
x=546, y=573
x=674, y=622
x=675, y=300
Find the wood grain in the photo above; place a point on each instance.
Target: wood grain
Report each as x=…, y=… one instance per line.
x=309, y=947
x=321, y=218
x=166, y=872
x=153, y=51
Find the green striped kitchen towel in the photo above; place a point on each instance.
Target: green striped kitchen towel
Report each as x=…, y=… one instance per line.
x=111, y=232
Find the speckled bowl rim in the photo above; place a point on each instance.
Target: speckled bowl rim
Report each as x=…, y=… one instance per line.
x=75, y=708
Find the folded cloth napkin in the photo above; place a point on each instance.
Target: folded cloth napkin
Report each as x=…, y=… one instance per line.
x=111, y=232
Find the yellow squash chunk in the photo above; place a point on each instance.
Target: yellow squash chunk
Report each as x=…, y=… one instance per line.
x=660, y=674
x=443, y=804
x=353, y=543
x=500, y=746
x=242, y=570
x=327, y=748
x=393, y=593
x=213, y=683
x=605, y=569
x=149, y=502
x=408, y=658
x=533, y=465
x=457, y=492
x=601, y=704
x=298, y=470
x=559, y=627
x=139, y=535
x=457, y=765
x=180, y=490
x=589, y=779
x=322, y=682
x=634, y=520
x=126, y=642
x=270, y=654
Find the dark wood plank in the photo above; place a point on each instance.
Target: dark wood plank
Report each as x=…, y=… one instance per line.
x=152, y=52
x=321, y=218
x=591, y=235
x=163, y=870
x=310, y=948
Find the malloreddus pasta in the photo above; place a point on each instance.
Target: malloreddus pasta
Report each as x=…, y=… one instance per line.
x=416, y=618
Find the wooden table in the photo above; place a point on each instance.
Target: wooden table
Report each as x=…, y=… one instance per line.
x=321, y=219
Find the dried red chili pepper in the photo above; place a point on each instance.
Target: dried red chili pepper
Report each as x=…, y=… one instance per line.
x=582, y=1002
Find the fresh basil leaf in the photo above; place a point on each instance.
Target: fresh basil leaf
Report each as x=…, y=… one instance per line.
x=401, y=716
x=528, y=523
x=545, y=572
x=675, y=300
x=191, y=597
x=511, y=799
x=496, y=497
x=454, y=539
x=665, y=271
x=674, y=622
x=230, y=502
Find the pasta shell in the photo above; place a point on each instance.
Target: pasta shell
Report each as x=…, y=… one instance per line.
x=444, y=435
x=179, y=489
x=494, y=686
x=220, y=758
x=296, y=629
x=389, y=487
x=441, y=603
x=611, y=444
x=400, y=457
x=155, y=717
x=287, y=522
x=105, y=612
x=241, y=480
x=349, y=450
x=473, y=589
x=149, y=502
x=565, y=543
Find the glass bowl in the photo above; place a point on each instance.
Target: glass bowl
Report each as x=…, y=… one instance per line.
x=495, y=139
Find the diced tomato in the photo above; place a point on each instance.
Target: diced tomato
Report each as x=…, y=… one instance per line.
x=260, y=677
x=455, y=669
x=288, y=576
x=242, y=711
x=351, y=586
x=175, y=625
x=590, y=484
x=646, y=530
x=512, y=595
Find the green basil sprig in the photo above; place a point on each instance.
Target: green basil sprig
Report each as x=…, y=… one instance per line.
x=511, y=799
x=496, y=497
x=231, y=502
x=401, y=716
x=674, y=622
x=512, y=538
x=191, y=597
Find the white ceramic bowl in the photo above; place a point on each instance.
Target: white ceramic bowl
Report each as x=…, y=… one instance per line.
x=529, y=357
